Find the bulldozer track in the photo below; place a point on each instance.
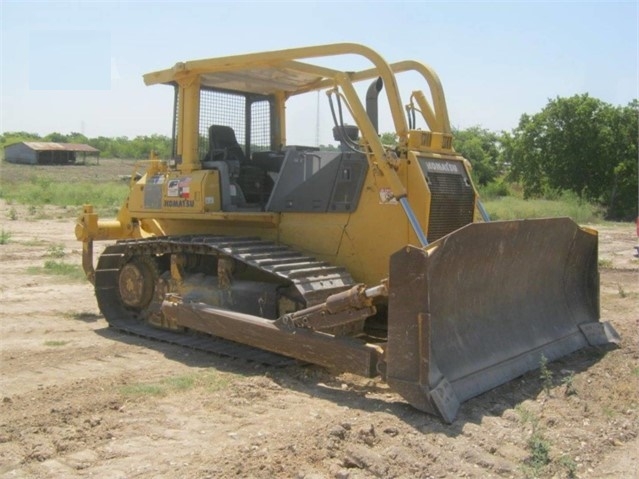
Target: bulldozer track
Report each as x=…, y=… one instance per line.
x=314, y=280
x=202, y=342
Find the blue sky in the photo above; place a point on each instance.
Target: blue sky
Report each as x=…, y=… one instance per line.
x=78, y=66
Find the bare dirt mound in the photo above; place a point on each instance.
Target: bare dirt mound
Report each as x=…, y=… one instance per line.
x=78, y=399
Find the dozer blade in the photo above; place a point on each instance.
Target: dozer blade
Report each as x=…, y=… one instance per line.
x=481, y=306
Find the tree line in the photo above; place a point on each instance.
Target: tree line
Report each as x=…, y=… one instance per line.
x=578, y=144
x=137, y=148
x=118, y=147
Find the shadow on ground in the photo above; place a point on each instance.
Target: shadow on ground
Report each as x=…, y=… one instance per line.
x=373, y=395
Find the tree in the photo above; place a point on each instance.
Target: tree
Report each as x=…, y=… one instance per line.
x=326, y=148
x=389, y=138
x=103, y=144
x=75, y=137
x=623, y=196
x=11, y=137
x=478, y=145
x=482, y=148
x=56, y=137
x=579, y=144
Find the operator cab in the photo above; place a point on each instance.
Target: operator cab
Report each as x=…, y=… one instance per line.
x=244, y=184
x=295, y=179
x=239, y=137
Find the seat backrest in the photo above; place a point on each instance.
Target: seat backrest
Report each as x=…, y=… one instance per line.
x=223, y=145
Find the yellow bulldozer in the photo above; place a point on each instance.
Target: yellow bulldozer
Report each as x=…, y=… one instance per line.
x=373, y=259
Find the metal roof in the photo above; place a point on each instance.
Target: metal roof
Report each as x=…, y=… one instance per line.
x=288, y=72
x=266, y=72
x=264, y=81
x=51, y=146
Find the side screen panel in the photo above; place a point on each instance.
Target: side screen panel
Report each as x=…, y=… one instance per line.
x=319, y=181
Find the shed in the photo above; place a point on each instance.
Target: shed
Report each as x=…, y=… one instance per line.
x=48, y=153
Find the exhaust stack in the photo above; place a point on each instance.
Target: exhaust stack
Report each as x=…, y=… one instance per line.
x=371, y=101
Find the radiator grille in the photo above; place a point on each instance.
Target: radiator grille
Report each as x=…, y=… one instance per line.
x=452, y=196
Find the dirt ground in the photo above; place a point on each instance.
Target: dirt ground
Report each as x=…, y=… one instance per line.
x=80, y=400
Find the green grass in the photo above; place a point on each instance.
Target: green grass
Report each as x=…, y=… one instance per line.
x=137, y=390
x=12, y=214
x=56, y=251
x=512, y=207
x=622, y=291
x=210, y=380
x=569, y=382
x=545, y=375
x=525, y=415
x=502, y=201
x=538, y=446
x=570, y=465
x=43, y=190
x=5, y=236
x=34, y=242
x=59, y=268
x=605, y=263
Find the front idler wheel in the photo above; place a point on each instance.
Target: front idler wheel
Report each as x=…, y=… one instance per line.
x=136, y=283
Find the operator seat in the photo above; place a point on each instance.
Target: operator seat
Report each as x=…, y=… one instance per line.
x=223, y=146
x=226, y=155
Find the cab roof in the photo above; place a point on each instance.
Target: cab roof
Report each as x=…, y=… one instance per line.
x=266, y=72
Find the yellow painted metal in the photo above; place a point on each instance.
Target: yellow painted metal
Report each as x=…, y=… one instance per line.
x=183, y=193
x=89, y=227
x=189, y=116
x=280, y=108
x=318, y=234
x=361, y=240
x=376, y=229
x=264, y=60
x=370, y=135
x=419, y=193
x=436, y=116
x=441, y=332
x=429, y=141
x=227, y=225
x=440, y=121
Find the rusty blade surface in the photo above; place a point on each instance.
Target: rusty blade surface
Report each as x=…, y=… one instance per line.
x=480, y=306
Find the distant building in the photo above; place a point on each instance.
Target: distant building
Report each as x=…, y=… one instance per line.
x=48, y=153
